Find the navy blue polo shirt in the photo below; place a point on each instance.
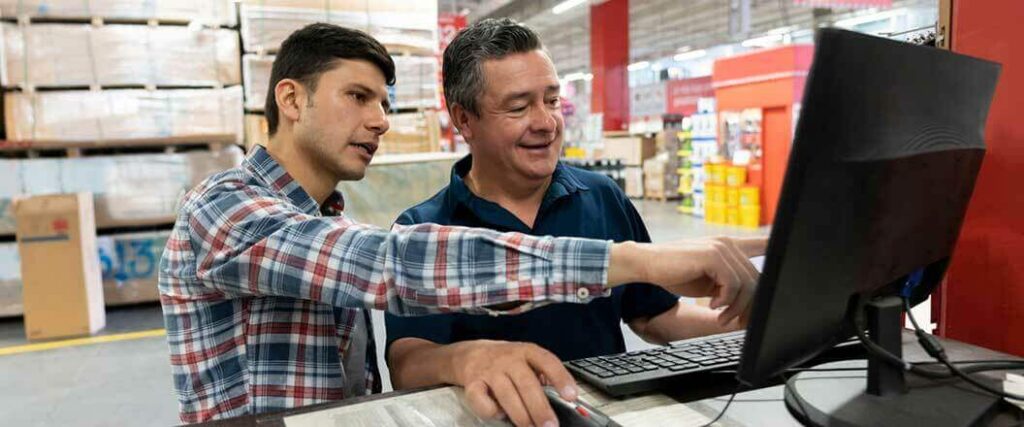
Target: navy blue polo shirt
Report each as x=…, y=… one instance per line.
x=578, y=203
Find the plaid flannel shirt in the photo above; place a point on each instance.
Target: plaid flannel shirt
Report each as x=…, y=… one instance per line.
x=260, y=286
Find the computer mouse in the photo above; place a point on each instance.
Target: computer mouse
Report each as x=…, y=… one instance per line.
x=578, y=413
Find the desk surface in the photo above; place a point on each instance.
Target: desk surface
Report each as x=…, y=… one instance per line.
x=761, y=407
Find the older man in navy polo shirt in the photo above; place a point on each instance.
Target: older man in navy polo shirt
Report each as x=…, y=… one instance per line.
x=503, y=93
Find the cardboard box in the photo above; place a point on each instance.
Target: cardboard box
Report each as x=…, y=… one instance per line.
x=63, y=289
x=631, y=150
x=654, y=177
x=634, y=182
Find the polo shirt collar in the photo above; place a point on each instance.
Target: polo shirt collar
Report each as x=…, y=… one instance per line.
x=564, y=182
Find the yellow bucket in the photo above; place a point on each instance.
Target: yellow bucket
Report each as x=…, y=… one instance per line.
x=736, y=175
x=732, y=215
x=714, y=213
x=750, y=216
x=575, y=153
x=732, y=196
x=716, y=173
x=750, y=196
x=716, y=193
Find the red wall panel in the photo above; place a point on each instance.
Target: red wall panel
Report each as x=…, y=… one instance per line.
x=983, y=298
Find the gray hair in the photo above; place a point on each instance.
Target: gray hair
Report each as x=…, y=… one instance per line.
x=463, y=58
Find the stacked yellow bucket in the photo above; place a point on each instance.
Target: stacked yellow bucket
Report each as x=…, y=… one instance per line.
x=729, y=200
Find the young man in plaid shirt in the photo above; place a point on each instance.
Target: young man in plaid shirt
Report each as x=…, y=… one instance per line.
x=265, y=282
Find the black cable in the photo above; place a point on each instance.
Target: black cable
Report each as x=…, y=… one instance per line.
x=934, y=348
x=725, y=408
x=979, y=362
x=975, y=366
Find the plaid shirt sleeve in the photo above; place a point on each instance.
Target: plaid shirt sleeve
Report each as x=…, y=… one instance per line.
x=248, y=242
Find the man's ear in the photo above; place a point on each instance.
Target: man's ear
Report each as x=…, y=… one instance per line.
x=461, y=118
x=290, y=96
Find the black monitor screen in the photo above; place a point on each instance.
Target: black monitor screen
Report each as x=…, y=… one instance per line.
x=887, y=149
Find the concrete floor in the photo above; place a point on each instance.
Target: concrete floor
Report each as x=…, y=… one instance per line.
x=129, y=382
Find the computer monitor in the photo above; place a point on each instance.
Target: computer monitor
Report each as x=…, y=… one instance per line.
x=884, y=160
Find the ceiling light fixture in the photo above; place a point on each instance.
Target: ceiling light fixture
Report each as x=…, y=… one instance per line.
x=763, y=41
x=690, y=55
x=566, y=5
x=638, y=65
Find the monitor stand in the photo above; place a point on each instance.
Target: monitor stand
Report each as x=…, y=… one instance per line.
x=882, y=395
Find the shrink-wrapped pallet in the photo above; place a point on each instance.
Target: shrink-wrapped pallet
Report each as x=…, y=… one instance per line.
x=407, y=26
x=128, y=190
x=60, y=55
x=208, y=12
x=416, y=83
x=123, y=115
x=256, y=72
x=417, y=132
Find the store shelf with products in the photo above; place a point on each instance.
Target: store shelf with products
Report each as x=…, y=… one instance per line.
x=761, y=90
x=614, y=169
x=702, y=148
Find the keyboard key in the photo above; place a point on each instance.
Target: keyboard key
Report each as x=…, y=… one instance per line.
x=677, y=368
x=683, y=354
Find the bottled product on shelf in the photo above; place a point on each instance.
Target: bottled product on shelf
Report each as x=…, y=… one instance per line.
x=612, y=168
x=703, y=148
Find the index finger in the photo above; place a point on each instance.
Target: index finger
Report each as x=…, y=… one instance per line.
x=550, y=367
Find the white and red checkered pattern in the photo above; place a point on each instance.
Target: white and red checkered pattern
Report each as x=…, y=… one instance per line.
x=261, y=288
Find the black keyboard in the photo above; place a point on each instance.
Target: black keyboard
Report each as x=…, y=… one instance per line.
x=646, y=370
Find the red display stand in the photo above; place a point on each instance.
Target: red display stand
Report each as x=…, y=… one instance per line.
x=982, y=301
x=771, y=80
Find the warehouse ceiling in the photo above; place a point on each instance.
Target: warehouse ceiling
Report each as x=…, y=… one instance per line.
x=658, y=28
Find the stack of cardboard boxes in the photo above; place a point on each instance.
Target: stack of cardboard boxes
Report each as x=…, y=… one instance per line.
x=633, y=151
